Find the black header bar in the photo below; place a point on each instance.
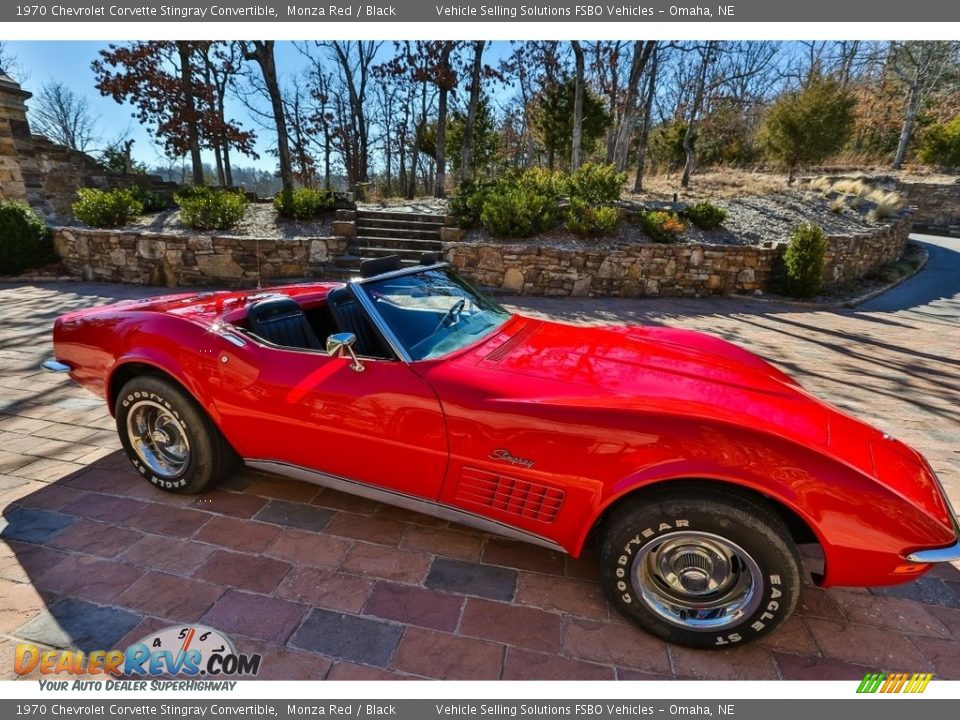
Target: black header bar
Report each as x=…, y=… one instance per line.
x=505, y=11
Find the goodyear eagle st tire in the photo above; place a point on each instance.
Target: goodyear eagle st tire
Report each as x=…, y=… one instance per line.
x=168, y=438
x=703, y=567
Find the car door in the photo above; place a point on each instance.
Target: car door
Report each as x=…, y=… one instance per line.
x=382, y=426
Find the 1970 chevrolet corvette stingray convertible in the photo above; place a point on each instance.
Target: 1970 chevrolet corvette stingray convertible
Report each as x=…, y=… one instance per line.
x=694, y=467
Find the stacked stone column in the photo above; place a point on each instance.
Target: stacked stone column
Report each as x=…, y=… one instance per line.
x=20, y=176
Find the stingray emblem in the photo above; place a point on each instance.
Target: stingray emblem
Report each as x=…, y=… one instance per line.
x=508, y=457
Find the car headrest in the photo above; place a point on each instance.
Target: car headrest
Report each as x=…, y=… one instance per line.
x=268, y=307
x=378, y=266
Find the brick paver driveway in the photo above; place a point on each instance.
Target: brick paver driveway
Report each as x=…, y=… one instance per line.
x=330, y=586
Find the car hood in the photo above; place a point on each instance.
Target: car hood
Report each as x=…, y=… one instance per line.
x=666, y=370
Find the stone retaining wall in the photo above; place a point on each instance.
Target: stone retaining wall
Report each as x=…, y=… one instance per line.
x=655, y=270
x=647, y=270
x=937, y=206
x=64, y=171
x=850, y=257
x=152, y=258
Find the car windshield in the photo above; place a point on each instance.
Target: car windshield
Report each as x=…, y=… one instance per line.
x=434, y=312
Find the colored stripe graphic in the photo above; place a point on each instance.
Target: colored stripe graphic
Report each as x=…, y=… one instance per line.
x=871, y=682
x=894, y=683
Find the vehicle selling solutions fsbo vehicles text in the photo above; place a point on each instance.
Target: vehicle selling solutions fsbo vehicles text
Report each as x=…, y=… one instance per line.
x=596, y=11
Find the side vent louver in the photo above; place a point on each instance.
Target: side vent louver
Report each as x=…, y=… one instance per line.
x=517, y=497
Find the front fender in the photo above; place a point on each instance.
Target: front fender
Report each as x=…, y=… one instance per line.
x=863, y=527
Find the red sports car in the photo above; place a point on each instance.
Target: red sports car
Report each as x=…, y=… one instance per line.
x=695, y=466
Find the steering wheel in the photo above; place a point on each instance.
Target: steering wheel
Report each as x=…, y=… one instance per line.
x=449, y=315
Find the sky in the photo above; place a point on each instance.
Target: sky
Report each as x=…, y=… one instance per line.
x=69, y=62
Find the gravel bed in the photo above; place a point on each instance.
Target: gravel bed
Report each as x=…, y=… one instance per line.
x=751, y=220
x=259, y=221
x=758, y=218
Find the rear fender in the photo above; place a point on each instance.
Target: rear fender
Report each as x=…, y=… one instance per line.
x=167, y=365
x=180, y=349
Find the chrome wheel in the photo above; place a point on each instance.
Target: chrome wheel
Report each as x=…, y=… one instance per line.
x=158, y=438
x=697, y=580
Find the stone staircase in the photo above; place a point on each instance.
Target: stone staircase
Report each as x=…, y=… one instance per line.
x=379, y=233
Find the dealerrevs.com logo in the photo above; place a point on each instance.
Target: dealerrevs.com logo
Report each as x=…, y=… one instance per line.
x=191, y=651
x=894, y=683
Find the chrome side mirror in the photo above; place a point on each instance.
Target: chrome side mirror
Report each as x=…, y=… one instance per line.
x=341, y=345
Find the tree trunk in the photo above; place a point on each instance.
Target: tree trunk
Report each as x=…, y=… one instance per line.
x=227, y=168
x=692, y=123
x=466, y=152
x=613, y=94
x=262, y=53
x=326, y=160
x=439, y=189
x=193, y=135
x=218, y=131
x=327, y=149
x=401, y=166
x=388, y=159
x=221, y=91
x=577, y=108
x=913, y=106
x=415, y=160
x=647, y=122
x=356, y=96
x=218, y=161
x=402, y=145
x=127, y=159
x=641, y=54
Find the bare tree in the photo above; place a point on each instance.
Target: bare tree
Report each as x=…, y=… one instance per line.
x=354, y=62
x=848, y=52
x=535, y=65
x=607, y=70
x=746, y=72
x=320, y=91
x=920, y=66
x=300, y=128
x=550, y=58
x=446, y=79
x=261, y=52
x=842, y=60
x=706, y=57
x=641, y=55
x=516, y=65
x=64, y=117
x=647, y=119
x=475, y=72
x=184, y=50
x=577, y=106
x=221, y=64
x=389, y=98
x=431, y=67
x=10, y=63
x=403, y=135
